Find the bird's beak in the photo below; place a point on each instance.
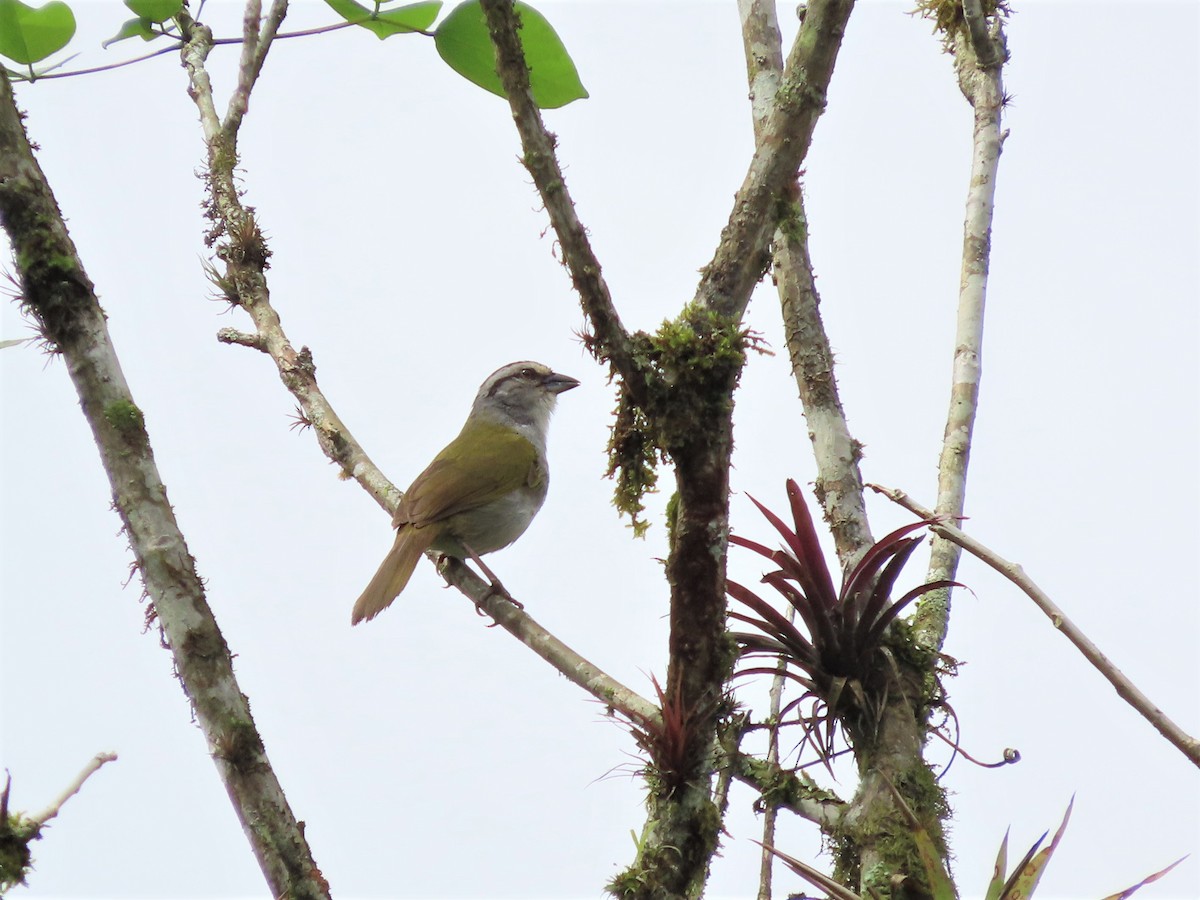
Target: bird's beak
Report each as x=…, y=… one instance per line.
x=556, y=383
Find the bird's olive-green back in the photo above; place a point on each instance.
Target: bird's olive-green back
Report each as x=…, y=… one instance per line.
x=485, y=462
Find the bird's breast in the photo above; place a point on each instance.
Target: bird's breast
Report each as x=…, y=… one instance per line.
x=493, y=525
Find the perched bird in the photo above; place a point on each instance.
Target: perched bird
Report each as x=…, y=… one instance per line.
x=482, y=491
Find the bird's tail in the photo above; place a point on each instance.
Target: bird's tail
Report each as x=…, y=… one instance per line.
x=394, y=573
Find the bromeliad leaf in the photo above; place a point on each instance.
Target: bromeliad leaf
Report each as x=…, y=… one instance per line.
x=837, y=643
x=29, y=35
x=463, y=41
x=1023, y=881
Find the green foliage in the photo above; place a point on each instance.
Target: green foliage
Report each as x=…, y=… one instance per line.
x=1023, y=881
x=151, y=14
x=463, y=41
x=156, y=11
x=384, y=23
x=16, y=832
x=29, y=35
x=132, y=28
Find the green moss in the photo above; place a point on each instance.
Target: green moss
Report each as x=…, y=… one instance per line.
x=947, y=15
x=885, y=831
x=664, y=852
x=16, y=833
x=689, y=369
x=784, y=787
x=127, y=419
x=633, y=458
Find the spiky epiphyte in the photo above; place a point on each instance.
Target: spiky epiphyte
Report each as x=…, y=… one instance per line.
x=838, y=656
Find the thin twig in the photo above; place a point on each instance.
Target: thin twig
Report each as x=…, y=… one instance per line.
x=771, y=811
x=73, y=788
x=105, y=68
x=1126, y=689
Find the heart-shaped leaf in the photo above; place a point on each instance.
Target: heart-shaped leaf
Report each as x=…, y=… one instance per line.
x=402, y=20
x=463, y=41
x=29, y=35
x=157, y=11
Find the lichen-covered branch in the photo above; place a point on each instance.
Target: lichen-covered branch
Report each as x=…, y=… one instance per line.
x=608, y=337
x=257, y=37
x=782, y=143
x=839, y=481
x=243, y=251
x=978, y=61
x=58, y=294
x=1126, y=689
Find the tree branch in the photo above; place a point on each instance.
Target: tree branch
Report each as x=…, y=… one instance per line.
x=257, y=38
x=1126, y=689
x=611, y=338
x=242, y=248
x=981, y=84
x=783, y=141
x=839, y=486
x=93, y=766
x=58, y=293
x=570, y=664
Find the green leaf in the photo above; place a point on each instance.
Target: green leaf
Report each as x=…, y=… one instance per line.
x=996, y=885
x=1031, y=872
x=414, y=17
x=463, y=41
x=29, y=35
x=157, y=11
x=142, y=28
x=402, y=20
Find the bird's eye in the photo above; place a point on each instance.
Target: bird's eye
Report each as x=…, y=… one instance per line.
x=528, y=372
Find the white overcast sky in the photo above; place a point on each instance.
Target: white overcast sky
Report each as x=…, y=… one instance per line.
x=433, y=757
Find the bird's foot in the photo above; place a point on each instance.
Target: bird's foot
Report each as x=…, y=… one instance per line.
x=496, y=589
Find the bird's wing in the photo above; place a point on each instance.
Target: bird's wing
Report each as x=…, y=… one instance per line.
x=497, y=462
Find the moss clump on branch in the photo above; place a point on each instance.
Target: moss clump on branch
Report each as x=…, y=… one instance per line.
x=52, y=281
x=126, y=418
x=689, y=369
x=899, y=870
x=948, y=17
x=16, y=832
x=660, y=854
